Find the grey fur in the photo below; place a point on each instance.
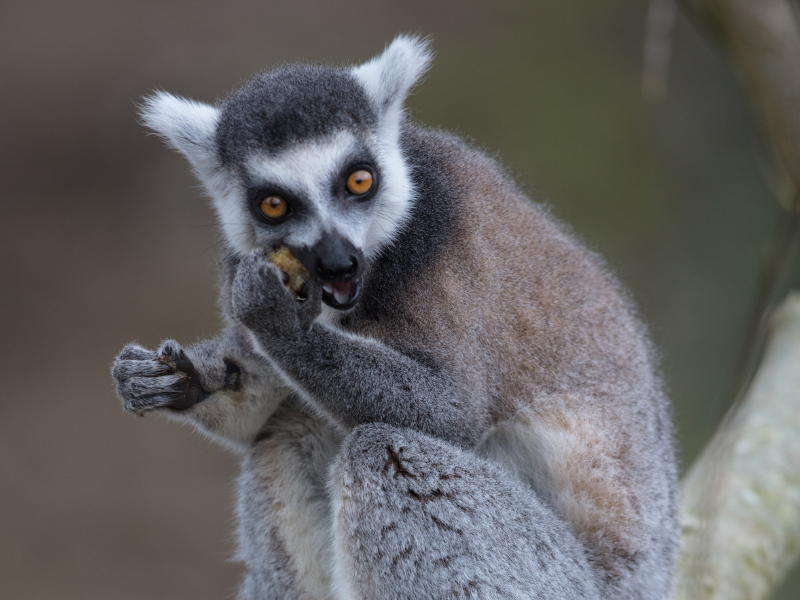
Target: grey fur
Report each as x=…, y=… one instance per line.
x=416, y=517
x=287, y=106
x=490, y=412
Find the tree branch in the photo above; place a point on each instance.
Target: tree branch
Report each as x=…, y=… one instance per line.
x=749, y=536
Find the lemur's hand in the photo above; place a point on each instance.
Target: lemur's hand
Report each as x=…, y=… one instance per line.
x=148, y=380
x=263, y=304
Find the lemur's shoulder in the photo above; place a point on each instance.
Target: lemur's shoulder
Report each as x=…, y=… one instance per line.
x=495, y=223
x=475, y=193
x=468, y=210
x=481, y=267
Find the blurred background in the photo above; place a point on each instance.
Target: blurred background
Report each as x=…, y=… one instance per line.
x=105, y=237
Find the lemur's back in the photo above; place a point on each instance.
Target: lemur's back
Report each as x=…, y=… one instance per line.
x=547, y=347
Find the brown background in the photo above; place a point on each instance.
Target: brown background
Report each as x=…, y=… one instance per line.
x=105, y=237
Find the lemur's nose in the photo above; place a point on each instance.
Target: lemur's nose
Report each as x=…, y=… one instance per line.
x=332, y=258
x=337, y=268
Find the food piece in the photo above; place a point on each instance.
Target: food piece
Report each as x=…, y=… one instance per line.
x=286, y=262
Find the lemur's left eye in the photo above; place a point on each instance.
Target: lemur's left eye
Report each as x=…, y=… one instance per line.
x=359, y=182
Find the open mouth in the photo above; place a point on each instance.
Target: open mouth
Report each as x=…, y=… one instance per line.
x=341, y=295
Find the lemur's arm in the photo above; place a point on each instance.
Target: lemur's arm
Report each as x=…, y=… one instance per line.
x=351, y=378
x=217, y=385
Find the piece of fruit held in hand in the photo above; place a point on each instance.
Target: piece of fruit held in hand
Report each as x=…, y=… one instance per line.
x=297, y=274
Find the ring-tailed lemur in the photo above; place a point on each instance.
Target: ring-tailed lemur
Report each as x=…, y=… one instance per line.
x=462, y=404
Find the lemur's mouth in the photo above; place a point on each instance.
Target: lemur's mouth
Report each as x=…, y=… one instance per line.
x=341, y=295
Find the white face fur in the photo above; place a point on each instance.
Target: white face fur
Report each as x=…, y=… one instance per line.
x=307, y=169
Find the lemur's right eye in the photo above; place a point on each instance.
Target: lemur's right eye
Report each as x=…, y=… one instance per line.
x=274, y=207
x=359, y=182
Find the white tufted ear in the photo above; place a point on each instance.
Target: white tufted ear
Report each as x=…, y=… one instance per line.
x=190, y=127
x=186, y=125
x=389, y=77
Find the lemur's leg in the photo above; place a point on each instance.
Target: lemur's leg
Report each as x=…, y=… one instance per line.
x=417, y=518
x=215, y=385
x=284, y=508
x=600, y=480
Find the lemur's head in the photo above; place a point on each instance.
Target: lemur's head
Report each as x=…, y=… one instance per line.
x=307, y=157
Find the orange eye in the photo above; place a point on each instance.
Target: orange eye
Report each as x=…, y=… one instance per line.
x=274, y=207
x=359, y=182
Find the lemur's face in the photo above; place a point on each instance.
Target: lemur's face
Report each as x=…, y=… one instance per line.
x=334, y=201
x=306, y=157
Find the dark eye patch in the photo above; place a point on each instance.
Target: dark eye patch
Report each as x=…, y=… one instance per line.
x=361, y=158
x=256, y=194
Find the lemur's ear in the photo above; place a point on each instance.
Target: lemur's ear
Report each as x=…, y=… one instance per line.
x=186, y=125
x=389, y=77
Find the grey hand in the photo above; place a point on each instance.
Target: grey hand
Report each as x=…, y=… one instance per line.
x=263, y=304
x=148, y=380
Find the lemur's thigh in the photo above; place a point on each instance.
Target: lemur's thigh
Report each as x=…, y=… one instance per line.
x=284, y=508
x=417, y=518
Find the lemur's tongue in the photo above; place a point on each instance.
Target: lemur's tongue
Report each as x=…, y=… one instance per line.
x=340, y=294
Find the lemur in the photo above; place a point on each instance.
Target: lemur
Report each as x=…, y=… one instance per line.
x=461, y=403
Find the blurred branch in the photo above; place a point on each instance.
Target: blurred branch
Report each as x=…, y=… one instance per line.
x=741, y=511
x=776, y=269
x=657, y=49
x=754, y=461
x=763, y=40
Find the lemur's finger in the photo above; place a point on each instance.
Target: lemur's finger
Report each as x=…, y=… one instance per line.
x=125, y=369
x=257, y=290
x=147, y=393
x=136, y=352
x=142, y=405
x=143, y=387
x=175, y=353
x=170, y=348
x=258, y=270
x=311, y=290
